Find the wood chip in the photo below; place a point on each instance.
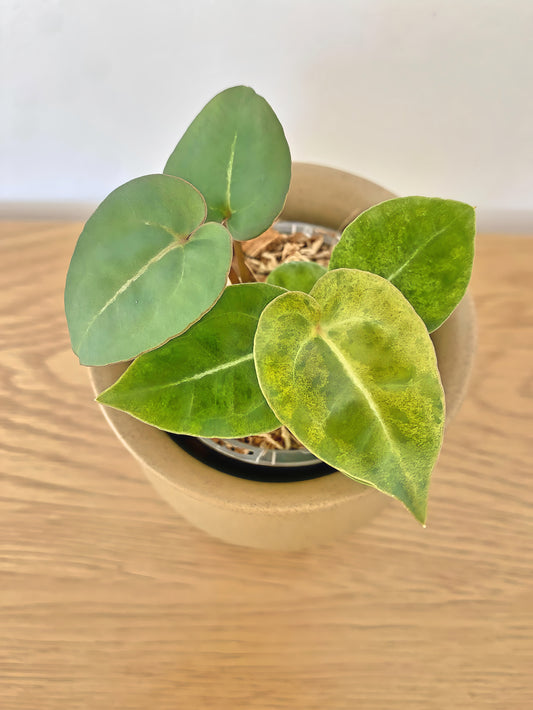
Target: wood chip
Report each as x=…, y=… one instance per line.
x=269, y=250
x=254, y=247
x=232, y=447
x=315, y=248
x=279, y=439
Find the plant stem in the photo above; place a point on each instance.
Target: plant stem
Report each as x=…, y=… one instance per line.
x=233, y=277
x=244, y=272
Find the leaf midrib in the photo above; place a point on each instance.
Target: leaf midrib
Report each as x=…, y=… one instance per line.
x=417, y=251
x=229, y=174
x=200, y=375
x=144, y=268
x=356, y=381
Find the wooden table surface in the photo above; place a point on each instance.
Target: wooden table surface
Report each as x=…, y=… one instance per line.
x=109, y=600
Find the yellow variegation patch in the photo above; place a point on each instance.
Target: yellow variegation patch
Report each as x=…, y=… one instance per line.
x=423, y=245
x=350, y=369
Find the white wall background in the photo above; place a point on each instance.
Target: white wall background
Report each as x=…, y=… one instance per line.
x=423, y=96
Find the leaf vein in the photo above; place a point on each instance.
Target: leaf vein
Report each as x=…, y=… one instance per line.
x=417, y=251
x=200, y=375
x=360, y=386
x=144, y=268
x=229, y=172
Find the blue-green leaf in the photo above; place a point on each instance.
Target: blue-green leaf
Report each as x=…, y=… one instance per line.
x=236, y=154
x=144, y=269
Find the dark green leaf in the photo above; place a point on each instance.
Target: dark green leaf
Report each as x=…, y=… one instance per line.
x=236, y=154
x=350, y=369
x=423, y=245
x=143, y=270
x=203, y=382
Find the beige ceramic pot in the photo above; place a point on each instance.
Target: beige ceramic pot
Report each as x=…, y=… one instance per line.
x=289, y=515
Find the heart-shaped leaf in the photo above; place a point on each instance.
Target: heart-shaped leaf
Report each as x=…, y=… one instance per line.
x=350, y=369
x=423, y=245
x=236, y=154
x=296, y=275
x=144, y=269
x=203, y=382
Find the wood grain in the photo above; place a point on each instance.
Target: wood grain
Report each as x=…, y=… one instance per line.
x=109, y=600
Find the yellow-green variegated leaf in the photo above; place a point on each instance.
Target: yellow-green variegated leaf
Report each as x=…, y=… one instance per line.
x=145, y=267
x=296, y=275
x=203, y=382
x=235, y=152
x=350, y=369
x=423, y=245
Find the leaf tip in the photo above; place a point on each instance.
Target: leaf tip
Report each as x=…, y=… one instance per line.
x=416, y=505
x=103, y=397
x=420, y=513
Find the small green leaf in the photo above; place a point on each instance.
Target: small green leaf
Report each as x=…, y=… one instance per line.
x=350, y=369
x=236, y=154
x=144, y=269
x=296, y=275
x=203, y=382
x=423, y=245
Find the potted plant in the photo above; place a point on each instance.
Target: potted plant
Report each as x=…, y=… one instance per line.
x=180, y=337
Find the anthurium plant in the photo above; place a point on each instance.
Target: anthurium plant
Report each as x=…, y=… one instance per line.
x=342, y=357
